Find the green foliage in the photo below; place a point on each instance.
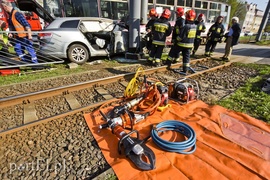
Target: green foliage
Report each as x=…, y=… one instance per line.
x=250, y=99
x=267, y=28
x=238, y=8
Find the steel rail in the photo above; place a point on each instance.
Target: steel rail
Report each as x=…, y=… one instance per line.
x=90, y=106
x=30, y=97
x=48, y=119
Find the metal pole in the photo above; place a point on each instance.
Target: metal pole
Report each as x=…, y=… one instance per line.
x=134, y=26
x=264, y=20
x=144, y=10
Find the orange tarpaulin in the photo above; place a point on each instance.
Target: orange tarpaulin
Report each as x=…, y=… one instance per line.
x=230, y=145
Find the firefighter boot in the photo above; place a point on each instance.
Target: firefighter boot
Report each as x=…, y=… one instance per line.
x=168, y=63
x=207, y=54
x=157, y=63
x=184, y=71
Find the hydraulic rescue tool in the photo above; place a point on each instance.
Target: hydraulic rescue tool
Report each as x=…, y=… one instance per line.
x=126, y=115
x=122, y=115
x=184, y=90
x=135, y=149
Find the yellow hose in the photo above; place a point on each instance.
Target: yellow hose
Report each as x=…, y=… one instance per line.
x=133, y=85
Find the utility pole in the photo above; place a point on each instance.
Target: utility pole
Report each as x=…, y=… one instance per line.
x=134, y=30
x=264, y=21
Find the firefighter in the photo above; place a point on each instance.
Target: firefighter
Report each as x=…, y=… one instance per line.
x=173, y=56
x=23, y=40
x=153, y=16
x=160, y=30
x=185, y=39
x=214, y=35
x=200, y=28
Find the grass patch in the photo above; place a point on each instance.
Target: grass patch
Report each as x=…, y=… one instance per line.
x=250, y=99
x=57, y=70
x=263, y=43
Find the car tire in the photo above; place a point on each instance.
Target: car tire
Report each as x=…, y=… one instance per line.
x=78, y=54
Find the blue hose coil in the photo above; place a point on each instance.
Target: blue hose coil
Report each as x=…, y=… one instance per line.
x=185, y=147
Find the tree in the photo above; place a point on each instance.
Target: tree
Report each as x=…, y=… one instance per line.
x=267, y=28
x=238, y=8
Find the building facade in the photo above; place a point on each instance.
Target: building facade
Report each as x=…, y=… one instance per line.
x=252, y=20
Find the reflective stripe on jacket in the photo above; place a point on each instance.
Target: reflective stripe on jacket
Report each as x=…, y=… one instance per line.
x=18, y=27
x=160, y=30
x=200, y=28
x=216, y=32
x=187, y=36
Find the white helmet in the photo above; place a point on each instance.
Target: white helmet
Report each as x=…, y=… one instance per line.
x=266, y=86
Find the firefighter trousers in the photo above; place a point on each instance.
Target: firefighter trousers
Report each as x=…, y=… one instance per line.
x=210, y=46
x=174, y=53
x=186, y=56
x=156, y=52
x=197, y=43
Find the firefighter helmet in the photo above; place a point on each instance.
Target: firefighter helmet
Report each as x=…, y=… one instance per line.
x=179, y=11
x=219, y=17
x=152, y=12
x=166, y=14
x=266, y=86
x=190, y=15
x=201, y=15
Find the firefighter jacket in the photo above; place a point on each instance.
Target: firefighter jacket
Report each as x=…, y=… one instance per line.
x=187, y=35
x=216, y=32
x=179, y=24
x=200, y=28
x=150, y=24
x=161, y=29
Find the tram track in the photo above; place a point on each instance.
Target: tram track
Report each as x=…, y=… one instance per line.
x=71, y=96
x=63, y=133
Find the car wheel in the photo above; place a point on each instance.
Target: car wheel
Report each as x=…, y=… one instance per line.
x=77, y=53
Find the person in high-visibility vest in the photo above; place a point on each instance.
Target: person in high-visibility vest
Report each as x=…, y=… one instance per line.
x=174, y=54
x=214, y=35
x=160, y=30
x=153, y=17
x=200, y=28
x=23, y=36
x=185, y=39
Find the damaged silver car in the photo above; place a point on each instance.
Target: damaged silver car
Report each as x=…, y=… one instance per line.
x=78, y=38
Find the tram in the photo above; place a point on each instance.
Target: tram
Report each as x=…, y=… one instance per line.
x=117, y=9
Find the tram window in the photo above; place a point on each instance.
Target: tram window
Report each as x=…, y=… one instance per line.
x=213, y=15
x=189, y=3
x=200, y=11
x=213, y=6
x=198, y=4
x=180, y=2
x=170, y=2
x=150, y=1
x=70, y=24
x=226, y=9
x=114, y=10
x=161, y=1
x=204, y=5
